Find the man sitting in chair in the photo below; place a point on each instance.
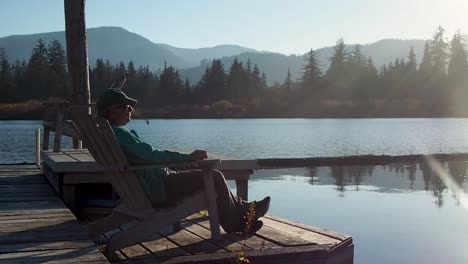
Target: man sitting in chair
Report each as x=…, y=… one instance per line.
x=167, y=186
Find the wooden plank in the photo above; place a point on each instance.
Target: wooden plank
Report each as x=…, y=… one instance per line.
x=26, y=190
x=82, y=255
x=318, y=230
x=21, y=167
x=136, y=252
x=35, y=224
x=40, y=246
x=28, y=198
x=193, y=243
x=253, y=242
x=18, y=215
x=31, y=213
x=23, y=179
x=80, y=177
x=160, y=246
x=357, y=160
x=36, y=205
x=205, y=233
x=68, y=160
x=304, y=234
x=46, y=218
x=281, y=238
x=58, y=234
x=303, y=254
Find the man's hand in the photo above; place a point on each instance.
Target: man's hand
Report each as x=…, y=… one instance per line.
x=198, y=155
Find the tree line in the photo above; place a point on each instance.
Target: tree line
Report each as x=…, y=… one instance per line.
x=351, y=87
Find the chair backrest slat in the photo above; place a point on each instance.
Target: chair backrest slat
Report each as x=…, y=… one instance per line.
x=103, y=145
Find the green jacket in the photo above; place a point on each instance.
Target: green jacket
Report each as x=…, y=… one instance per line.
x=138, y=153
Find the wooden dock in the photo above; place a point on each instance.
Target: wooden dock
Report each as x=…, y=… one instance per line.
x=35, y=225
x=278, y=241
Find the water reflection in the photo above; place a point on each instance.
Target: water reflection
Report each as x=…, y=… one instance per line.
x=392, y=178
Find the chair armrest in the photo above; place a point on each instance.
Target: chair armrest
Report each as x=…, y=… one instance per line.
x=203, y=164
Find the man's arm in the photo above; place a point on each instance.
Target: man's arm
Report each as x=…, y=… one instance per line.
x=139, y=152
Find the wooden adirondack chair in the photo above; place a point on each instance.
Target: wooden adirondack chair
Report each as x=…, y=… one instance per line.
x=135, y=208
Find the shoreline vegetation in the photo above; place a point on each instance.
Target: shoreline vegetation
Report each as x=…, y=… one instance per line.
x=352, y=86
x=34, y=110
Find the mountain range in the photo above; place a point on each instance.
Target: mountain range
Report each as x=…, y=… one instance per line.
x=117, y=44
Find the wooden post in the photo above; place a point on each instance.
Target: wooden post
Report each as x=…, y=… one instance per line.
x=38, y=147
x=77, y=52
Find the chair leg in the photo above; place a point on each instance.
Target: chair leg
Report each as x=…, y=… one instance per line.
x=140, y=231
x=107, y=223
x=210, y=195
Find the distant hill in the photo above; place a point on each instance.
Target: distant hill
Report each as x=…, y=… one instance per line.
x=195, y=56
x=117, y=44
x=276, y=65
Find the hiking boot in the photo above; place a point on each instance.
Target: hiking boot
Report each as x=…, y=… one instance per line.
x=252, y=230
x=261, y=207
x=255, y=227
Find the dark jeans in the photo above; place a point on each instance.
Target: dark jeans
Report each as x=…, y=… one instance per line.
x=231, y=209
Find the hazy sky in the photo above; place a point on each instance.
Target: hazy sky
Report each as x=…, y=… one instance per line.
x=285, y=26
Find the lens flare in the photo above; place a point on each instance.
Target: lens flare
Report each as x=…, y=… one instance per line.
x=447, y=179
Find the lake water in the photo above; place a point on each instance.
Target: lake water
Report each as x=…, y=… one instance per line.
x=396, y=214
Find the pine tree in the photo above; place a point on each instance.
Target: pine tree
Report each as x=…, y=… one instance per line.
x=458, y=64
x=213, y=86
x=439, y=52
x=287, y=85
x=338, y=59
x=236, y=81
x=257, y=84
x=356, y=58
x=337, y=75
x=412, y=65
x=311, y=71
x=38, y=69
x=264, y=81
x=426, y=66
x=6, y=84
x=58, y=75
x=170, y=86
x=99, y=79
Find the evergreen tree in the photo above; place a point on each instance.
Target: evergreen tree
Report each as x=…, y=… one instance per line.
x=38, y=69
x=337, y=76
x=287, y=85
x=457, y=77
x=256, y=82
x=264, y=81
x=356, y=58
x=58, y=76
x=170, y=86
x=213, y=86
x=132, y=84
x=412, y=65
x=311, y=71
x=458, y=64
x=426, y=66
x=439, y=52
x=187, y=86
x=19, y=80
x=338, y=59
x=99, y=79
x=6, y=82
x=236, y=81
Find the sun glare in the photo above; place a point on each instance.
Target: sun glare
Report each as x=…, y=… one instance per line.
x=448, y=180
